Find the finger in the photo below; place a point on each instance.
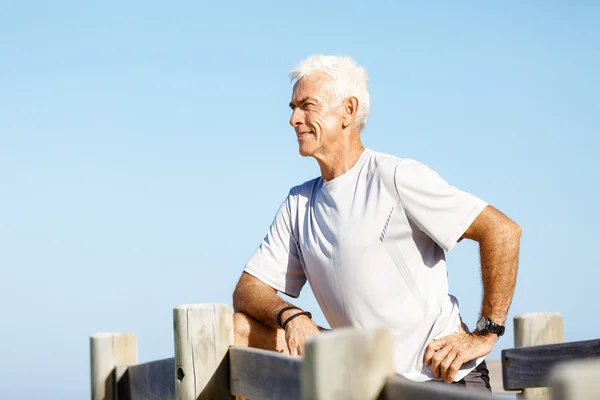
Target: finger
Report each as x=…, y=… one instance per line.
x=438, y=358
x=452, y=370
x=300, y=347
x=447, y=364
x=293, y=348
x=432, y=348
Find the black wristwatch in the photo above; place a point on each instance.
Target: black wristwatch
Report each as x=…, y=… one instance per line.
x=486, y=325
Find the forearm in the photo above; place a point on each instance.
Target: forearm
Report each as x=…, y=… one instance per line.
x=499, y=264
x=259, y=301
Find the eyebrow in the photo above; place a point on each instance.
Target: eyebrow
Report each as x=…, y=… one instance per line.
x=303, y=100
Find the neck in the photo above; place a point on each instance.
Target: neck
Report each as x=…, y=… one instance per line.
x=339, y=161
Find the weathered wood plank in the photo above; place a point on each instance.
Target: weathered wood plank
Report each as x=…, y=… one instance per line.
x=108, y=350
x=576, y=380
x=264, y=375
x=348, y=364
x=398, y=388
x=539, y=328
x=153, y=380
x=528, y=367
x=203, y=334
x=534, y=329
x=495, y=368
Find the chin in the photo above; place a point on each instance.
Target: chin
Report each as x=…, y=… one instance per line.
x=306, y=151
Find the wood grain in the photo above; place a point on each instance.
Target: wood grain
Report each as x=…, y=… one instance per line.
x=203, y=334
x=528, y=367
x=153, y=380
x=533, y=329
x=107, y=351
x=347, y=364
x=264, y=375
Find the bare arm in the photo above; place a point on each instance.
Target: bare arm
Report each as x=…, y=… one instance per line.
x=498, y=239
x=259, y=301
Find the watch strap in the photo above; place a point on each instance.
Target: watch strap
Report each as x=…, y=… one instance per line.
x=491, y=327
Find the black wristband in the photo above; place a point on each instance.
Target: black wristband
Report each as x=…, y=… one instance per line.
x=282, y=311
x=307, y=313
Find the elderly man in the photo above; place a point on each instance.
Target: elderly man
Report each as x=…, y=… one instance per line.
x=369, y=235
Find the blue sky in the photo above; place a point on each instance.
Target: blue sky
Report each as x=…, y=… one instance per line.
x=144, y=150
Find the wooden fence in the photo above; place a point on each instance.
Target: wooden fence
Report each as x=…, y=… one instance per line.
x=341, y=364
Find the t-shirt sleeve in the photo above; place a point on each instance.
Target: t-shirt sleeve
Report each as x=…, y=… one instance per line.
x=276, y=261
x=440, y=210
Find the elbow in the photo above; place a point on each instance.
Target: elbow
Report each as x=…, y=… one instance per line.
x=505, y=232
x=508, y=235
x=247, y=290
x=238, y=296
x=514, y=231
x=237, y=303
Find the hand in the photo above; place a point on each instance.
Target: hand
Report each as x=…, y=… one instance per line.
x=296, y=333
x=446, y=355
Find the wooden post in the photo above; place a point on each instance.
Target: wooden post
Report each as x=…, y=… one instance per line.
x=347, y=364
x=533, y=329
x=107, y=351
x=576, y=380
x=203, y=334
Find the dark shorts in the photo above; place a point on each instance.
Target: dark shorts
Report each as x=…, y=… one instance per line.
x=478, y=379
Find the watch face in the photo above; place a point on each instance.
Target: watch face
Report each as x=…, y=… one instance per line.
x=481, y=324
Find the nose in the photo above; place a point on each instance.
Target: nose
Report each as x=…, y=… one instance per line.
x=296, y=118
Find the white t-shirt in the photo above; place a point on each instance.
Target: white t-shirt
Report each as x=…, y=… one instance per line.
x=371, y=245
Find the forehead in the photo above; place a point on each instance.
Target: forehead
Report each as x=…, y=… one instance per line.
x=312, y=86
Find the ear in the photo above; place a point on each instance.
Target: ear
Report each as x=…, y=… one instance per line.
x=350, y=108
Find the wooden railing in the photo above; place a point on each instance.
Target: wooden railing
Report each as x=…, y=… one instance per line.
x=341, y=364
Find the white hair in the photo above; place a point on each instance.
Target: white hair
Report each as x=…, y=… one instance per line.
x=347, y=79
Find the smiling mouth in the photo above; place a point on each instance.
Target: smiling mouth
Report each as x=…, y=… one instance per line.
x=303, y=134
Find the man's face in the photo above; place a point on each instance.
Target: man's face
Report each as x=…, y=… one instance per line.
x=315, y=118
